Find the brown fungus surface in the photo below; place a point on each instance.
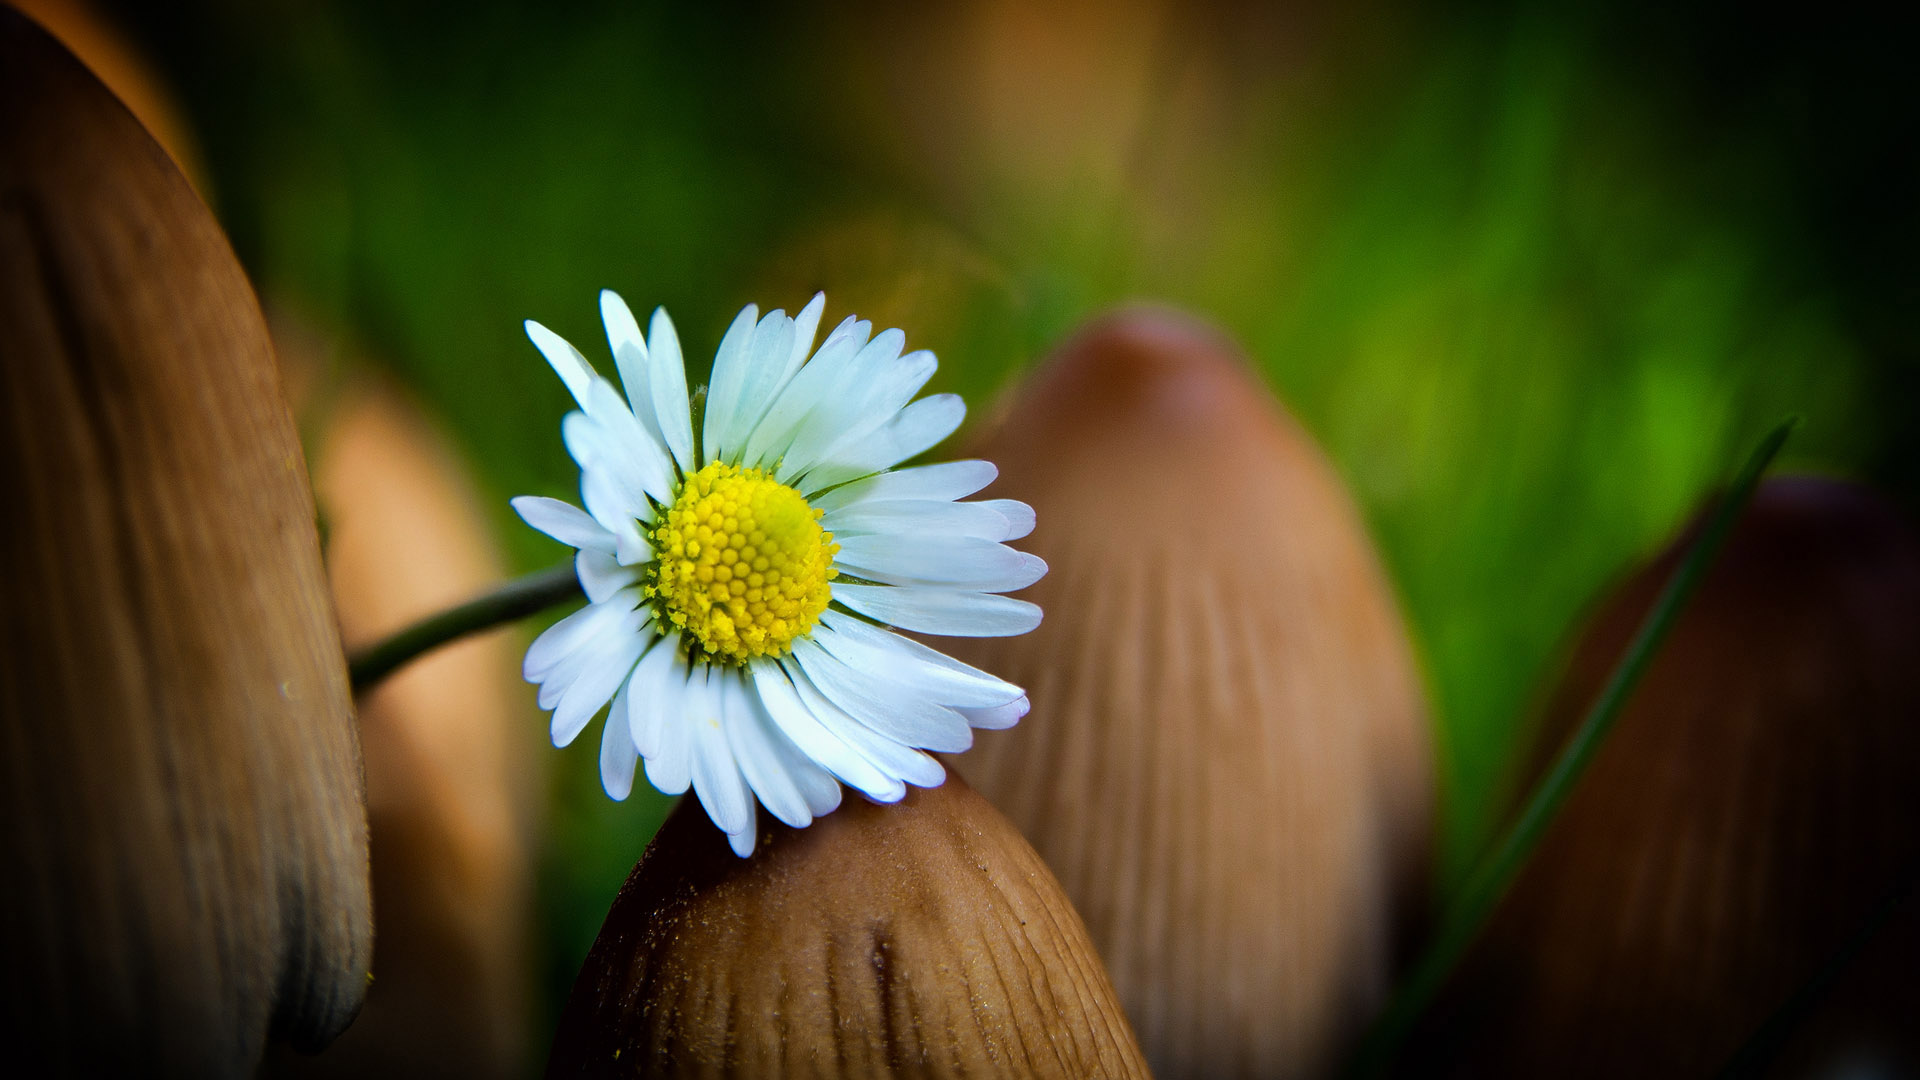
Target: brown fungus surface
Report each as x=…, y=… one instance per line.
x=1227, y=763
x=919, y=939
x=182, y=827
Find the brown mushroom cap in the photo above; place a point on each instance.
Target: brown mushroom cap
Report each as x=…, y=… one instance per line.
x=918, y=939
x=1227, y=762
x=181, y=818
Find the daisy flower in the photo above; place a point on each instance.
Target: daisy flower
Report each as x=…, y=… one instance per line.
x=744, y=576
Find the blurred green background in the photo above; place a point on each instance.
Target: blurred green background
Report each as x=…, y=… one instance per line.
x=1535, y=274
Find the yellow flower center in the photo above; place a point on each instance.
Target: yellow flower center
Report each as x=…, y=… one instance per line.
x=742, y=565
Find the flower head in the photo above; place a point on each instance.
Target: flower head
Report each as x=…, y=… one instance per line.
x=743, y=585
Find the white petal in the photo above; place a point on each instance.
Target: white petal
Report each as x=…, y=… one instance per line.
x=877, y=400
x=948, y=612
x=871, y=699
x=806, y=326
x=598, y=644
x=564, y=638
x=913, y=667
x=805, y=396
x=817, y=785
x=955, y=562
x=601, y=575
x=616, y=440
x=596, y=683
x=670, y=759
x=566, y=360
x=783, y=703
x=766, y=373
x=716, y=776
x=630, y=357
x=729, y=375
x=656, y=703
x=913, y=430
x=758, y=751
x=997, y=717
x=612, y=507
x=1020, y=517
x=564, y=522
x=918, y=516
x=667, y=382
x=617, y=754
x=889, y=756
x=947, y=480
x=742, y=842
x=841, y=408
x=600, y=453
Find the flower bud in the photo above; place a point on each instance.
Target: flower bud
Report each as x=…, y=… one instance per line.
x=1749, y=811
x=181, y=822
x=923, y=938
x=1227, y=761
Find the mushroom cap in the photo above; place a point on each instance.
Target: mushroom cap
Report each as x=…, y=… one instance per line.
x=923, y=938
x=182, y=821
x=1227, y=763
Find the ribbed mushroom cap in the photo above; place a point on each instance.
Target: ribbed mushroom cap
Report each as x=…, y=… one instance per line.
x=1753, y=803
x=919, y=939
x=1227, y=763
x=181, y=819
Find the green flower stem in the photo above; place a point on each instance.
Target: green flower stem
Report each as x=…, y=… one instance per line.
x=517, y=599
x=1483, y=890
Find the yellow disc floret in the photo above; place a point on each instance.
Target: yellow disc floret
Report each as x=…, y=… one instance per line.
x=742, y=565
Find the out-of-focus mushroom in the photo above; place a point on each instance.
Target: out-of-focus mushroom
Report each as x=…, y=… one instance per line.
x=1751, y=807
x=181, y=818
x=919, y=939
x=1227, y=762
x=449, y=744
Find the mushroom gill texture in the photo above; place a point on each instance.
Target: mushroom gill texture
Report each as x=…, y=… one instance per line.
x=1752, y=807
x=182, y=828
x=922, y=939
x=1227, y=762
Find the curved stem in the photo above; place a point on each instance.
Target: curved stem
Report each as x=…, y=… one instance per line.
x=516, y=599
x=1484, y=889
